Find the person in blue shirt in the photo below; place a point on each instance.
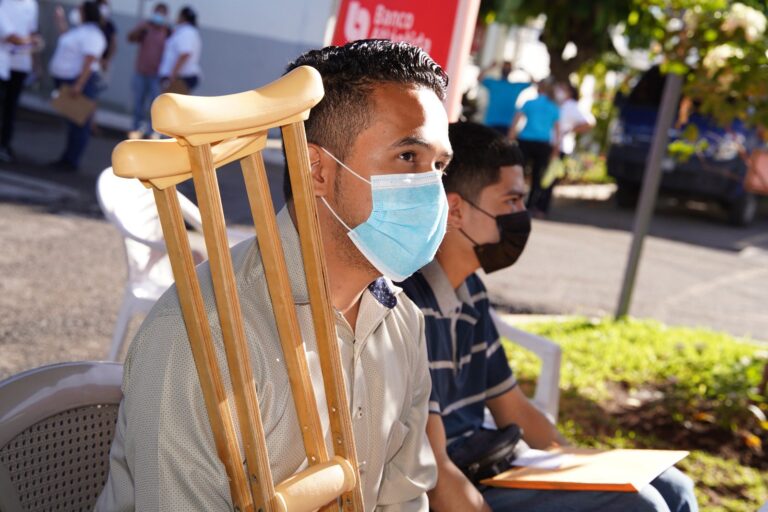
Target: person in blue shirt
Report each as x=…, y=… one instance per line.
x=539, y=140
x=502, y=97
x=488, y=227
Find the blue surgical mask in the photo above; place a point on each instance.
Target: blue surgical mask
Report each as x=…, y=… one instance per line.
x=407, y=221
x=158, y=19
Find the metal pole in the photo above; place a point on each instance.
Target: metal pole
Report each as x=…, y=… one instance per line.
x=651, y=179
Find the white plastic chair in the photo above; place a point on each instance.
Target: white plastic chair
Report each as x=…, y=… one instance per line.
x=547, y=394
x=130, y=207
x=56, y=429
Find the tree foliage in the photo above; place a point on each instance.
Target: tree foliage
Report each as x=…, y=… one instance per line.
x=585, y=23
x=720, y=45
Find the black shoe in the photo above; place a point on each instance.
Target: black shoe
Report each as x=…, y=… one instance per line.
x=6, y=155
x=64, y=165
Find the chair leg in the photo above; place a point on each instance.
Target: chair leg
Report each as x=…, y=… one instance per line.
x=121, y=325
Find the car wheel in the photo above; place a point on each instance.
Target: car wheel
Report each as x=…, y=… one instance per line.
x=626, y=194
x=742, y=211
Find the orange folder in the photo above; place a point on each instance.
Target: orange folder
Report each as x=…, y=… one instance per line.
x=586, y=469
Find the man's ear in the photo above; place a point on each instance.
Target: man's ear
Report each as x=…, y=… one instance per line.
x=455, y=211
x=323, y=169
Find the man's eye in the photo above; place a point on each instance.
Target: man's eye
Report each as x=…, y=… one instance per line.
x=440, y=166
x=408, y=156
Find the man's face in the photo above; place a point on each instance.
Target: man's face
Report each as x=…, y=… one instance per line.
x=408, y=133
x=505, y=196
x=506, y=69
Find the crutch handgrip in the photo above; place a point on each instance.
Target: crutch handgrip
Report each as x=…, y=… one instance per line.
x=316, y=486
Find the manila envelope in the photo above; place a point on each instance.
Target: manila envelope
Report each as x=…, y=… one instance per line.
x=77, y=109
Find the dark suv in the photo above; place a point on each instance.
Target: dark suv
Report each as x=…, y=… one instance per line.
x=716, y=174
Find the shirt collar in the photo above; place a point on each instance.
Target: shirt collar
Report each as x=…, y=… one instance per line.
x=378, y=299
x=448, y=300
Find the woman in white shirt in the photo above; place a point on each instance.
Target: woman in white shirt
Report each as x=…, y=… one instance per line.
x=181, y=57
x=75, y=64
x=22, y=15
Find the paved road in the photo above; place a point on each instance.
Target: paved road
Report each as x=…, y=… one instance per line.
x=62, y=268
x=695, y=269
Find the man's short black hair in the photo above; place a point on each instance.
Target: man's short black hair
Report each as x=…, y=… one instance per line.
x=479, y=153
x=91, y=12
x=350, y=73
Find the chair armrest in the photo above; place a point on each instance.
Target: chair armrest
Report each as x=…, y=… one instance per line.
x=547, y=394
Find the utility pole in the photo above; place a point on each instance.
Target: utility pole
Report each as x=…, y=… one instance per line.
x=651, y=179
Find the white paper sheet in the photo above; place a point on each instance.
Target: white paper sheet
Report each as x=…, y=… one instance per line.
x=540, y=459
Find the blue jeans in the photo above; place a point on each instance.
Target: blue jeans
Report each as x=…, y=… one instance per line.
x=145, y=89
x=672, y=491
x=78, y=136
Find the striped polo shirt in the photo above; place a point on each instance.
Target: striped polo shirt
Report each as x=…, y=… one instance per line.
x=466, y=360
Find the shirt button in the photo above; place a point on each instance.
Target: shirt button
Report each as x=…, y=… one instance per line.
x=359, y=412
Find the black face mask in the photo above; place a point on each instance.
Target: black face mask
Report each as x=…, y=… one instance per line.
x=514, y=229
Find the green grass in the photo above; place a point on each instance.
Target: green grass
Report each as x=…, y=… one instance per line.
x=642, y=384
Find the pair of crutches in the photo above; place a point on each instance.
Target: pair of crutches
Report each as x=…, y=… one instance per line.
x=209, y=132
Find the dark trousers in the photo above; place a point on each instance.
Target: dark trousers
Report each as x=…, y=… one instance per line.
x=12, y=92
x=78, y=136
x=537, y=155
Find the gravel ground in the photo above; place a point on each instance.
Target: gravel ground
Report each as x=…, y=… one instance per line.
x=62, y=280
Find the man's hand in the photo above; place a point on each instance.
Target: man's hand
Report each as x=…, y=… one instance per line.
x=453, y=491
x=514, y=407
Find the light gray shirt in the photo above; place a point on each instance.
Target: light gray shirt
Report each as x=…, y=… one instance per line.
x=163, y=455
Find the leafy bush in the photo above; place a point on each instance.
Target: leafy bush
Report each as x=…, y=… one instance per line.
x=634, y=383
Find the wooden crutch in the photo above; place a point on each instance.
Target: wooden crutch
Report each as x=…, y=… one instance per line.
x=209, y=133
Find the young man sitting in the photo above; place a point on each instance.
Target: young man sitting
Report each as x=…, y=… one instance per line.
x=488, y=227
x=378, y=142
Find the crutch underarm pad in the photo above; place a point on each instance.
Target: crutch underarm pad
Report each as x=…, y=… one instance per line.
x=164, y=162
x=199, y=120
x=315, y=486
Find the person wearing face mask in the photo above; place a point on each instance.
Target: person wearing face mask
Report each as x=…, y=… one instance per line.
x=150, y=35
x=488, y=227
x=75, y=64
x=181, y=57
x=109, y=30
x=377, y=144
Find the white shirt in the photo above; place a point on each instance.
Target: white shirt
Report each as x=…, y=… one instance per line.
x=6, y=29
x=185, y=39
x=23, y=15
x=163, y=456
x=571, y=116
x=73, y=47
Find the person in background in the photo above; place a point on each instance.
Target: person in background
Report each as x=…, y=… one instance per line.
x=181, y=57
x=502, y=97
x=23, y=17
x=541, y=116
x=75, y=63
x=109, y=30
x=573, y=121
x=488, y=228
x=151, y=36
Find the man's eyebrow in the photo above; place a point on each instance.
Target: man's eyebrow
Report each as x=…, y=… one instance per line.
x=418, y=141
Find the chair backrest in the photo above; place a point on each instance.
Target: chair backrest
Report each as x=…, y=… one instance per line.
x=206, y=134
x=547, y=394
x=131, y=208
x=56, y=429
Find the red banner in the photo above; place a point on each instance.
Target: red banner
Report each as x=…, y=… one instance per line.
x=442, y=28
x=420, y=23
